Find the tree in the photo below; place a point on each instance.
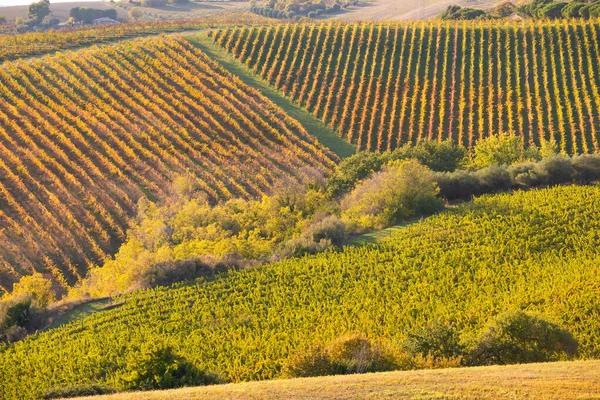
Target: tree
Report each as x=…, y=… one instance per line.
x=518, y=337
x=2, y=20
x=135, y=13
x=503, y=149
x=351, y=170
x=38, y=288
x=552, y=10
x=39, y=10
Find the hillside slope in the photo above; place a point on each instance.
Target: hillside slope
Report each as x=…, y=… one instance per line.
x=538, y=251
x=560, y=380
x=383, y=85
x=84, y=135
x=407, y=10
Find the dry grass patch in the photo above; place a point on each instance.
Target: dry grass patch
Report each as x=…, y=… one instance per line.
x=561, y=380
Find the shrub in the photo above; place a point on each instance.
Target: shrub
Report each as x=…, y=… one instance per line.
x=493, y=179
x=15, y=316
x=502, y=150
x=306, y=363
x=460, y=184
x=330, y=228
x=401, y=190
x=517, y=337
x=160, y=368
x=586, y=168
x=77, y=391
x=438, y=156
x=350, y=354
x=524, y=175
x=554, y=170
x=316, y=237
x=15, y=312
x=439, y=341
x=36, y=287
x=87, y=15
x=352, y=170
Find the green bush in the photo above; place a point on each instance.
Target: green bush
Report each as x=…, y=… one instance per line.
x=160, y=368
x=494, y=178
x=400, y=191
x=586, y=168
x=316, y=237
x=517, y=337
x=87, y=15
x=306, y=363
x=460, y=184
x=352, y=170
x=154, y=3
x=350, y=354
x=502, y=150
x=438, y=156
x=554, y=170
x=440, y=341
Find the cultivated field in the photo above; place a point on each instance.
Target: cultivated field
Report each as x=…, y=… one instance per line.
x=84, y=135
x=534, y=251
x=383, y=85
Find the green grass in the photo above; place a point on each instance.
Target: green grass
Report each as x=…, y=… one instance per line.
x=537, y=251
x=320, y=131
x=562, y=380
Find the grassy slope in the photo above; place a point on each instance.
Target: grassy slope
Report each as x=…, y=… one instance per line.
x=315, y=127
x=562, y=380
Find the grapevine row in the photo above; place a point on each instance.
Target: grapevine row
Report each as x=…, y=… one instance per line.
x=381, y=85
x=84, y=135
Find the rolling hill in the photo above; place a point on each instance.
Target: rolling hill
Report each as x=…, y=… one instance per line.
x=386, y=84
x=84, y=135
x=536, y=251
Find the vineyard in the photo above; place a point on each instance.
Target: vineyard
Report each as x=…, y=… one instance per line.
x=84, y=135
x=536, y=250
x=383, y=85
x=13, y=46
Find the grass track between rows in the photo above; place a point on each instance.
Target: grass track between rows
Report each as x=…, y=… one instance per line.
x=315, y=127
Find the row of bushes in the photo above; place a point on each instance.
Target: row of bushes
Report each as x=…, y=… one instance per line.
x=551, y=9
x=512, y=338
x=554, y=170
x=500, y=11
x=282, y=10
x=87, y=15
